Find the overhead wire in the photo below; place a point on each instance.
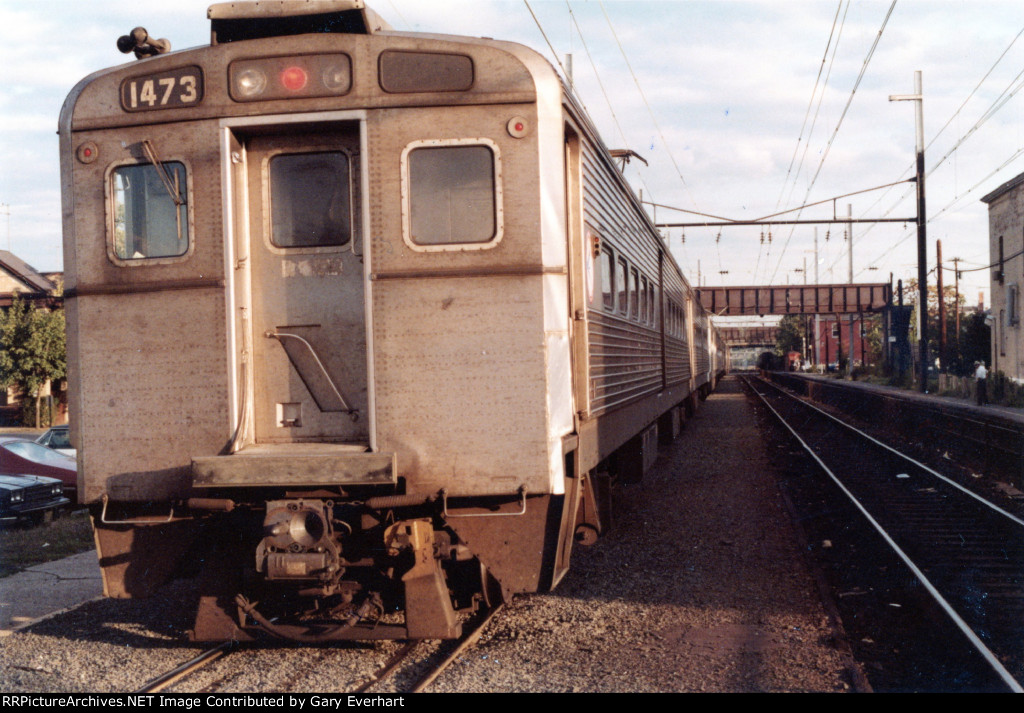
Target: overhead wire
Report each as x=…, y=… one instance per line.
x=950, y=120
x=956, y=200
x=817, y=112
x=551, y=47
x=987, y=115
x=807, y=113
x=994, y=107
x=568, y=75
x=814, y=92
x=846, y=108
x=597, y=74
x=986, y=267
x=650, y=111
x=604, y=92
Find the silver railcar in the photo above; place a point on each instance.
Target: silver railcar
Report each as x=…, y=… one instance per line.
x=361, y=323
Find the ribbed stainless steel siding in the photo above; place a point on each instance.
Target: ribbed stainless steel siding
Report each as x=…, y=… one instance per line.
x=625, y=361
x=700, y=347
x=625, y=356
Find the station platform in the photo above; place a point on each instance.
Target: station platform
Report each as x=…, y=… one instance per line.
x=1011, y=414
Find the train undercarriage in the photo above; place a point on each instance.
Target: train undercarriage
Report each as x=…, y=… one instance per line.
x=319, y=566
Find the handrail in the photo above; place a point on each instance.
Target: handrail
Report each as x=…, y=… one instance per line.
x=522, y=510
x=281, y=335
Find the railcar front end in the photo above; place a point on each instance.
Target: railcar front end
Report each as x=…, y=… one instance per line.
x=316, y=291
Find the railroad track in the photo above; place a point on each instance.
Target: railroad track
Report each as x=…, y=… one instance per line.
x=437, y=662
x=966, y=552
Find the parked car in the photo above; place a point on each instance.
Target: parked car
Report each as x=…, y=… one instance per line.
x=30, y=497
x=58, y=439
x=20, y=456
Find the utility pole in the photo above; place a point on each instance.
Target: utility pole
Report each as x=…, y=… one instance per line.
x=817, y=315
x=942, y=305
x=849, y=233
x=956, y=303
x=922, y=246
x=6, y=210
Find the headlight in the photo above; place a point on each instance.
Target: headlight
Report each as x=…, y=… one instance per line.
x=17, y=496
x=250, y=83
x=57, y=489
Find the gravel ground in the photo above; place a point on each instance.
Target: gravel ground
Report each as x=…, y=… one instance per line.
x=701, y=586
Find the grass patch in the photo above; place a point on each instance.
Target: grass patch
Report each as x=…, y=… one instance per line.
x=22, y=547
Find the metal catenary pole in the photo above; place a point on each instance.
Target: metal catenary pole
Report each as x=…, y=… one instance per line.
x=922, y=245
x=942, y=306
x=849, y=232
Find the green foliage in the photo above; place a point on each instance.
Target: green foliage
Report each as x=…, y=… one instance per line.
x=33, y=351
x=790, y=337
x=1003, y=390
x=973, y=343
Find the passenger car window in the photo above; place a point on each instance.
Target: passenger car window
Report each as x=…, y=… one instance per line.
x=150, y=210
x=645, y=311
x=623, y=285
x=607, y=278
x=452, y=196
x=634, y=293
x=310, y=200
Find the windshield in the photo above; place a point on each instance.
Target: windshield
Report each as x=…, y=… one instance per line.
x=59, y=438
x=39, y=454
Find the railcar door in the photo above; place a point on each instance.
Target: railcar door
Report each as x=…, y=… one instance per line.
x=306, y=292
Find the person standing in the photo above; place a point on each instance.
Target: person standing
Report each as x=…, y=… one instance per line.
x=981, y=378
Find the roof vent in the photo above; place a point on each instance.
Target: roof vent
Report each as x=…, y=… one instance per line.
x=236, y=21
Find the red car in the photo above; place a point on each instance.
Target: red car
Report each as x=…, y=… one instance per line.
x=19, y=456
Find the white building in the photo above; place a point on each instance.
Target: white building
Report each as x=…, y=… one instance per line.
x=1006, y=251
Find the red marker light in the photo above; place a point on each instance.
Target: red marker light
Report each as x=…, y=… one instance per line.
x=294, y=79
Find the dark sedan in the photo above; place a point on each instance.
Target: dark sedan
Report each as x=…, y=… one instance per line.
x=30, y=497
x=22, y=457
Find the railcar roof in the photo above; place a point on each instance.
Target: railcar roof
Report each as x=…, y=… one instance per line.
x=234, y=21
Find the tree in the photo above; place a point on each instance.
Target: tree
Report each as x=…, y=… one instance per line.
x=790, y=337
x=963, y=349
x=33, y=352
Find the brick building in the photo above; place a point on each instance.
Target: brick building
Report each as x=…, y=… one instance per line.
x=828, y=340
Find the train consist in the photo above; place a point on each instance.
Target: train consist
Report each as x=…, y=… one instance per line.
x=362, y=324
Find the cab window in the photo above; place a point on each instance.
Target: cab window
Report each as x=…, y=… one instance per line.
x=452, y=195
x=149, y=210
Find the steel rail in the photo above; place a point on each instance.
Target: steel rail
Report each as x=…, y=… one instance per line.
x=975, y=640
x=176, y=674
x=392, y=664
x=389, y=667
x=468, y=640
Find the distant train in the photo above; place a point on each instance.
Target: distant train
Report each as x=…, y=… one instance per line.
x=361, y=323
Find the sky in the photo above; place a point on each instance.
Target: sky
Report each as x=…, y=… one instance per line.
x=740, y=109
